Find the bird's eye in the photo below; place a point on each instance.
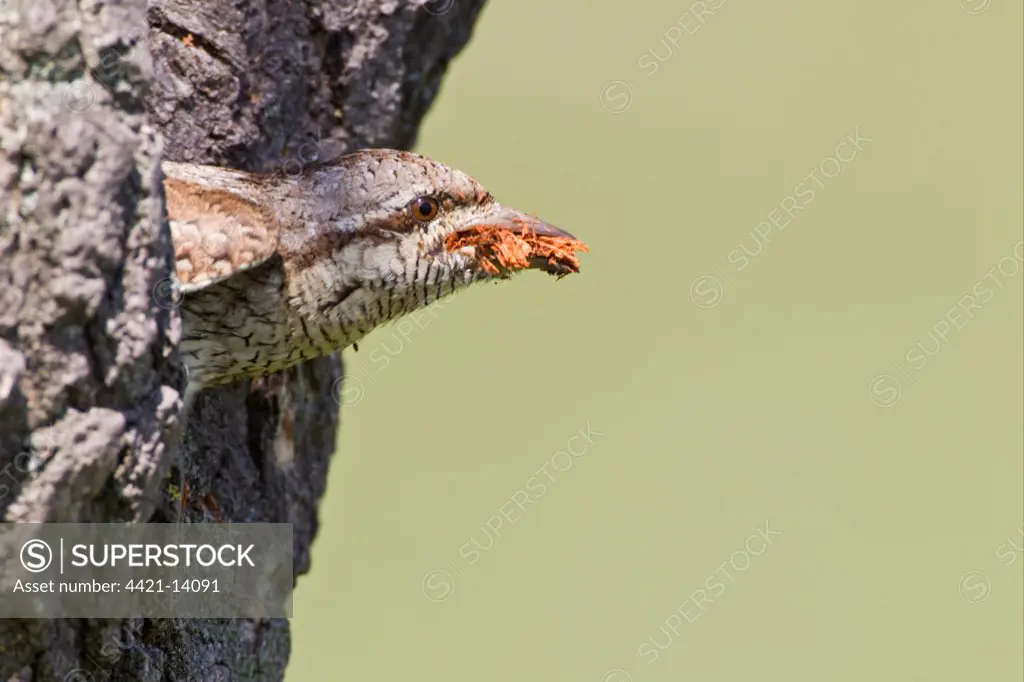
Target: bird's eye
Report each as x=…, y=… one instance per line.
x=424, y=209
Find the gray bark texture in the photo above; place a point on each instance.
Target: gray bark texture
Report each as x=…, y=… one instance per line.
x=93, y=93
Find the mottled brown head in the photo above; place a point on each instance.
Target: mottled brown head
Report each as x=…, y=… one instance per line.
x=380, y=215
x=404, y=212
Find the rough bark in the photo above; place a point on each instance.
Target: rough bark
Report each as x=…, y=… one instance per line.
x=92, y=93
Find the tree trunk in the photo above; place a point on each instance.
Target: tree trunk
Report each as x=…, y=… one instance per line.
x=92, y=94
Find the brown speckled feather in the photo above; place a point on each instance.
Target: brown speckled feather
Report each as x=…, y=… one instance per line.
x=216, y=234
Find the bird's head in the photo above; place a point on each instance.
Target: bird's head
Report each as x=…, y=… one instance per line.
x=397, y=222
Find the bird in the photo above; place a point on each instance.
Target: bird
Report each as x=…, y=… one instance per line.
x=272, y=270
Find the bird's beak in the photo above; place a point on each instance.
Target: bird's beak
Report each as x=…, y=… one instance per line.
x=518, y=223
x=528, y=227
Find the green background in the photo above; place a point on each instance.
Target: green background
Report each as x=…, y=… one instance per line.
x=790, y=392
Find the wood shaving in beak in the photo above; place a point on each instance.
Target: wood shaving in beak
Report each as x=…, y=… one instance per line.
x=499, y=250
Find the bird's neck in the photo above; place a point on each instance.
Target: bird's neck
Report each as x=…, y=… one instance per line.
x=279, y=314
x=359, y=288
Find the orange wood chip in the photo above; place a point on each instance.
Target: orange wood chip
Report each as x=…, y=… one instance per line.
x=501, y=251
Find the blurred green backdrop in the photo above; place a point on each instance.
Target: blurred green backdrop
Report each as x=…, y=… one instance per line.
x=797, y=360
